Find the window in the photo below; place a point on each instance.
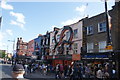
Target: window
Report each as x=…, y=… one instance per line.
x=89, y=47
x=102, y=46
x=25, y=47
x=47, y=41
x=75, y=48
x=67, y=49
x=53, y=39
x=58, y=37
x=18, y=46
x=41, y=41
x=32, y=46
x=89, y=30
x=75, y=33
x=102, y=27
x=67, y=35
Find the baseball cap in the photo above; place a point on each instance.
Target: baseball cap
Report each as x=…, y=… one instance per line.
x=18, y=67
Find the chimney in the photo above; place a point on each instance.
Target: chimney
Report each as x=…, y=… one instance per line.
x=55, y=28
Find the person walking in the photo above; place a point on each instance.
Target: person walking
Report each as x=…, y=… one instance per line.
x=71, y=72
x=26, y=68
x=18, y=72
x=99, y=74
x=61, y=71
x=57, y=71
x=65, y=70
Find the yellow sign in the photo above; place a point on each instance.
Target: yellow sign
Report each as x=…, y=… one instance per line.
x=109, y=47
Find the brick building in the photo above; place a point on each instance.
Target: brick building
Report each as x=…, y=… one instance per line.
x=66, y=54
x=30, y=48
x=37, y=47
x=95, y=38
x=45, y=46
x=116, y=34
x=21, y=47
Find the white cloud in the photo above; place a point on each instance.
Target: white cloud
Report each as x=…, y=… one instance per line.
x=6, y=6
x=20, y=17
x=81, y=8
x=2, y=45
x=17, y=24
x=2, y=35
x=70, y=21
x=9, y=32
x=52, y=27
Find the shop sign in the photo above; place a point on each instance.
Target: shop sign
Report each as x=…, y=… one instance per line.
x=109, y=47
x=95, y=56
x=76, y=57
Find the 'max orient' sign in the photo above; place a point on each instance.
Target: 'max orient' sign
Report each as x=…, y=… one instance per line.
x=61, y=57
x=76, y=57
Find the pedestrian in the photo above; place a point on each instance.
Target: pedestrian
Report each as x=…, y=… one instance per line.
x=57, y=71
x=65, y=70
x=71, y=73
x=44, y=67
x=87, y=71
x=26, y=68
x=61, y=71
x=30, y=67
x=113, y=73
x=79, y=71
x=18, y=71
x=99, y=74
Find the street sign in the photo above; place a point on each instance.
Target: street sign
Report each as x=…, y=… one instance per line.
x=76, y=57
x=109, y=47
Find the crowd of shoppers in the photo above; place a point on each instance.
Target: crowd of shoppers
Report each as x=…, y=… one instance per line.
x=73, y=71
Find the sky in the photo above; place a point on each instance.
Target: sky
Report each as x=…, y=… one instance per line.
x=28, y=19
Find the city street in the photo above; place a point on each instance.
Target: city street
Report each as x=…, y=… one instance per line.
x=60, y=40
x=5, y=72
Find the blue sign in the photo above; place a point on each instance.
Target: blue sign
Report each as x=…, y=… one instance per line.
x=95, y=56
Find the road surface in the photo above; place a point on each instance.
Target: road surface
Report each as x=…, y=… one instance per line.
x=5, y=71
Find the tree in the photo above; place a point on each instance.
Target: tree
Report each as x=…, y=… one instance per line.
x=2, y=54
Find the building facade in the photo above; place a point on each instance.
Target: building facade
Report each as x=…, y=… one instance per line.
x=115, y=15
x=22, y=47
x=21, y=51
x=65, y=44
x=30, y=48
x=95, y=38
x=45, y=43
x=37, y=47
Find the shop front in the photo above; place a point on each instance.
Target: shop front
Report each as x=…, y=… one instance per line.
x=59, y=59
x=97, y=58
x=63, y=59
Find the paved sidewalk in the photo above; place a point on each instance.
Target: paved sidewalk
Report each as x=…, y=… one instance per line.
x=39, y=75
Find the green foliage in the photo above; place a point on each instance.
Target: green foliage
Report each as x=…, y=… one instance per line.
x=2, y=54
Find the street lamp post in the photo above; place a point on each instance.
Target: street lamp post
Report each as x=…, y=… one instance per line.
x=107, y=25
x=13, y=48
x=108, y=38
x=13, y=44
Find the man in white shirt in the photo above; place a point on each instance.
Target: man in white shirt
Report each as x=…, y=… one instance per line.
x=18, y=71
x=99, y=74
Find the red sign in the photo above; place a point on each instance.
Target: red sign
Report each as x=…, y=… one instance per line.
x=76, y=57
